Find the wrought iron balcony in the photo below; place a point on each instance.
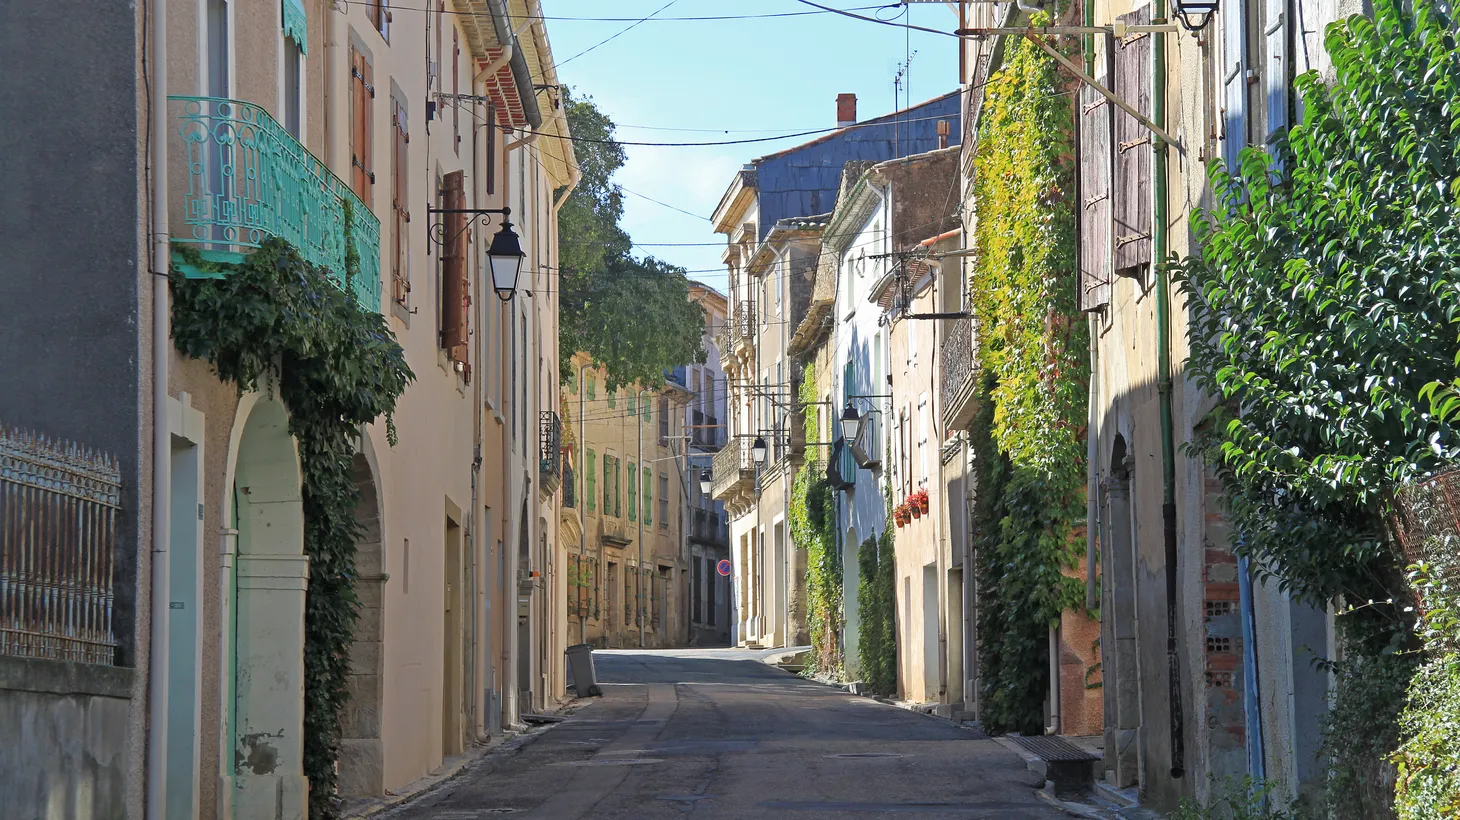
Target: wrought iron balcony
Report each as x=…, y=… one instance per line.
x=733, y=472
x=570, y=489
x=550, y=464
x=249, y=179
x=956, y=357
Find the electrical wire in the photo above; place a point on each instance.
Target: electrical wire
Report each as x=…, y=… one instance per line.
x=615, y=35
x=571, y=19
x=665, y=204
x=864, y=18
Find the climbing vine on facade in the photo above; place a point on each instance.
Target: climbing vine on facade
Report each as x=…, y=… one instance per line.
x=1033, y=351
x=877, y=609
x=813, y=528
x=274, y=321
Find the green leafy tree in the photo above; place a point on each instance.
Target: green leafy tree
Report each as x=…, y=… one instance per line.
x=631, y=314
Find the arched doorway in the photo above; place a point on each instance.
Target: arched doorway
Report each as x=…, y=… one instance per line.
x=266, y=734
x=362, y=755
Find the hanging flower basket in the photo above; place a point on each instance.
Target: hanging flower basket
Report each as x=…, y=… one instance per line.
x=922, y=499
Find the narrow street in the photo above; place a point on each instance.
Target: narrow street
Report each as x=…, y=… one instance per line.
x=716, y=733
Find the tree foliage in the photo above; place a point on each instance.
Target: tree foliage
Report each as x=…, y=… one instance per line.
x=631, y=314
x=1033, y=351
x=276, y=320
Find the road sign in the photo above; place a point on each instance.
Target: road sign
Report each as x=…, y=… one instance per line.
x=723, y=567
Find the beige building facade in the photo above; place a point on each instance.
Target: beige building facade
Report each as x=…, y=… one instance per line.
x=393, y=116
x=627, y=576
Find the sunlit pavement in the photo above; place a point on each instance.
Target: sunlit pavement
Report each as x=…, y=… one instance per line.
x=716, y=733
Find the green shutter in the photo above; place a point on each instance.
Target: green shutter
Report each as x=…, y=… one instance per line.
x=618, y=495
x=608, y=485
x=572, y=381
x=590, y=385
x=633, y=493
x=648, y=497
x=613, y=398
x=592, y=479
x=648, y=411
x=633, y=404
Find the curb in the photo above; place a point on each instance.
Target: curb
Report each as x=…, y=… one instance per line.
x=511, y=741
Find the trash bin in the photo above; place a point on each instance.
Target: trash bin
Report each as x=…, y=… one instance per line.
x=585, y=680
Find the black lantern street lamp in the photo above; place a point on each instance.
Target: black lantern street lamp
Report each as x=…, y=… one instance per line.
x=851, y=424
x=505, y=256
x=705, y=482
x=1186, y=9
x=758, y=451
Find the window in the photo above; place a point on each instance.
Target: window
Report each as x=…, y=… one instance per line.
x=633, y=404
x=590, y=388
x=400, y=270
x=379, y=13
x=293, y=86
x=362, y=106
x=613, y=398
x=618, y=496
x=591, y=477
x=646, y=411
x=923, y=438
x=454, y=291
x=663, y=421
x=219, y=40
x=634, y=493
x=511, y=401
x=663, y=501
x=572, y=381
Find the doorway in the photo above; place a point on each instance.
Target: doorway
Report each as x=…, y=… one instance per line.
x=452, y=667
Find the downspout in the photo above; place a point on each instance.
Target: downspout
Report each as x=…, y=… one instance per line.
x=1164, y=387
x=583, y=497
x=1092, y=437
x=159, y=647
x=1251, y=696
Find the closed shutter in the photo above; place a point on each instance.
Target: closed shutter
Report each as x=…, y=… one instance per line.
x=1094, y=202
x=608, y=485
x=649, y=498
x=362, y=98
x=634, y=493
x=590, y=475
x=1132, y=201
x=400, y=212
x=455, y=296
x=1276, y=71
x=1234, y=84
x=456, y=89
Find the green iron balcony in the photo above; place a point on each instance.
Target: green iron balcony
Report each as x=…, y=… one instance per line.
x=249, y=179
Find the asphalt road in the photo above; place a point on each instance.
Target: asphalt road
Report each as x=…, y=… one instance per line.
x=715, y=734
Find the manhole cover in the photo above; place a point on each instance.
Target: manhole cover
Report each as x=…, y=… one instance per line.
x=864, y=754
x=612, y=761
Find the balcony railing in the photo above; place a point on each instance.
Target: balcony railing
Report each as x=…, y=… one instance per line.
x=59, y=504
x=732, y=469
x=249, y=180
x=957, y=362
x=550, y=463
x=570, y=490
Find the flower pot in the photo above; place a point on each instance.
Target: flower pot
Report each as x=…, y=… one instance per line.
x=917, y=512
x=923, y=504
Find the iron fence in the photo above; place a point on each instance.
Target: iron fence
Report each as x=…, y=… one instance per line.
x=59, y=503
x=551, y=437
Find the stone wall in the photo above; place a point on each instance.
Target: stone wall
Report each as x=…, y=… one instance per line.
x=66, y=752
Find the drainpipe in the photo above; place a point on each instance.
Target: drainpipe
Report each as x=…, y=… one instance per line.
x=1251, y=697
x=639, y=570
x=161, y=438
x=583, y=496
x=1164, y=387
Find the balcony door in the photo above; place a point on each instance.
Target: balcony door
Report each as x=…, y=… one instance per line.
x=218, y=151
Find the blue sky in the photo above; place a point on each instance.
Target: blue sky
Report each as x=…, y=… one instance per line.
x=752, y=77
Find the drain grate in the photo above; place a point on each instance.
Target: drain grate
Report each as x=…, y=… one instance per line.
x=1055, y=749
x=863, y=754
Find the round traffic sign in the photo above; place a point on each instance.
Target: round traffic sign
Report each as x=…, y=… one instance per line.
x=723, y=567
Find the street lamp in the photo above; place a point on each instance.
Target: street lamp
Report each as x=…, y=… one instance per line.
x=851, y=424
x=758, y=451
x=705, y=482
x=505, y=256
x=1204, y=9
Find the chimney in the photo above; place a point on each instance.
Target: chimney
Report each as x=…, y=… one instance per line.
x=846, y=110
x=942, y=133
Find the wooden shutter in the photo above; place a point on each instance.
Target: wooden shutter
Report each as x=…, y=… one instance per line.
x=362, y=105
x=590, y=476
x=491, y=130
x=1276, y=71
x=456, y=89
x=1234, y=84
x=399, y=206
x=1094, y=201
x=455, y=296
x=634, y=492
x=1131, y=203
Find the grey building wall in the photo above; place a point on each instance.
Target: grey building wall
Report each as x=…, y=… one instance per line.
x=69, y=242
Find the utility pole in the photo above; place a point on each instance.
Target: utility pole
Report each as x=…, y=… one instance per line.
x=583, y=500
x=639, y=571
